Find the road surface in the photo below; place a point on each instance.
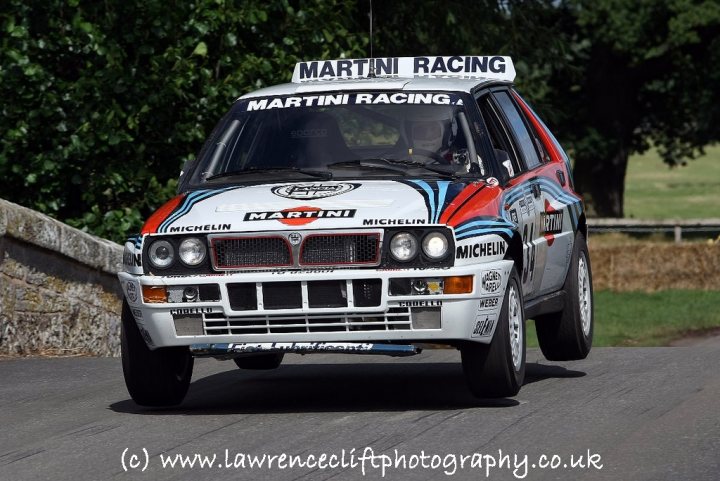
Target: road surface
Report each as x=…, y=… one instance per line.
x=624, y=413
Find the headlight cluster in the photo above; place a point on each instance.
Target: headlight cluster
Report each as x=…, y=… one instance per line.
x=191, y=252
x=404, y=246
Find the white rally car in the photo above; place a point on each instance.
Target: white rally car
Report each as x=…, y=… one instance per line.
x=371, y=206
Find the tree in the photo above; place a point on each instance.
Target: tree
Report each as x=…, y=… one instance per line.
x=638, y=74
x=611, y=77
x=105, y=101
x=108, y=99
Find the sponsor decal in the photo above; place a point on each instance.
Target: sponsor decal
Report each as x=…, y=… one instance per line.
x=131, y=291
x=523, y=207
x=137, y=313
x=302, y=271
x=312, y=191
x=481, y=249
x=270, y=103
x=483, y=325
x=514, y=216
x=308, y=133
x=393, y=221
x=530, y=203
x=295, y=238
x=191, y=310
x=146, y=336
x=490, y=281
x=492, y=181
x=420, y=303
x=456, y=66
x=300, y=215
x=301, y=346
x=131, y=259
x=551, y=223
x=488, y=303
x=200, y=228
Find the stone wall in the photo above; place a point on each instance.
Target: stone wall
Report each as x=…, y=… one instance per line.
x=58, y=290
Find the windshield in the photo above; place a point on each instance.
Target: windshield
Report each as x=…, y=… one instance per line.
x=339, y=136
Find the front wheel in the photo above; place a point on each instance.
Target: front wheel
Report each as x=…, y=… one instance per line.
x=153, y=378
x=498, y=369
x=567, y=335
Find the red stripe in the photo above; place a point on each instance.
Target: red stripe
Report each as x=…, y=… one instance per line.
x=459, y=199
x=486, y=202
x=546, y=140
x=152, y=224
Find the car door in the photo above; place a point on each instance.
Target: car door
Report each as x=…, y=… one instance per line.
x=561, y=206
x=521, y=203
x=551, y=241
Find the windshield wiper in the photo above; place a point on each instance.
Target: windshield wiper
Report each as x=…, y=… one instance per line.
x=395, y=165
x=323, y=174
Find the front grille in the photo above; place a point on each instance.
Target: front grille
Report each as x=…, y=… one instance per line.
x=282, y=295
x=242, y=297
x=324, y=294
x=394, y=319
x=317, y=295
x=232, y=253
x=269, y=250
x=339, y=249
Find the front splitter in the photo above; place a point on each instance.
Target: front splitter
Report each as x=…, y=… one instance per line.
x=232, y=350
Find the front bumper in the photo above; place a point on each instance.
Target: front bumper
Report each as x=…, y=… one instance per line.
x=395, y=318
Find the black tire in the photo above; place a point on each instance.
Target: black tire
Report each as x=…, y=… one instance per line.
x=260, y=361
x=564, y=336
x=489, y=369
x=153, y=378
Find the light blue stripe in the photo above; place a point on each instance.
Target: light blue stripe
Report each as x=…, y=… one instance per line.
x=480, y=232
x=424, y=186
x=442, y=193
x=190, y=201
x=186, y=206
x=478, y=223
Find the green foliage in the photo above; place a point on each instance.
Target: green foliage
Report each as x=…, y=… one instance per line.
x=104, y=101
x=637, y=74
x=110, y=98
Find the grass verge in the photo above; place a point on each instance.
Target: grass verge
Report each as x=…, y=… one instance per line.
x=655, y=191
x=649, y=319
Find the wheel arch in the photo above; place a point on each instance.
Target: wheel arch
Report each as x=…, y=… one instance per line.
x=515, y=250
x=582, y=225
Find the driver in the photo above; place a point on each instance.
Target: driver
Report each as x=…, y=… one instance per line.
x=428, y=135
x=433, y=137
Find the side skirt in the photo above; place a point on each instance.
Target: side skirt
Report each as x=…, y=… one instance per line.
x=553, y=302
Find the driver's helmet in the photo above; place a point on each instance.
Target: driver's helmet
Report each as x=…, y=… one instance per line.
x=428, y=135
x=432, y=129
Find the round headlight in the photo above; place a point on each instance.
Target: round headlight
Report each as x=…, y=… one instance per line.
x=192, y=251
x=161, y=254
x=403, y=246
x=435, y=245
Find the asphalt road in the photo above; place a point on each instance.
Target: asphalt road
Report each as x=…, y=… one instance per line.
x=644, y=413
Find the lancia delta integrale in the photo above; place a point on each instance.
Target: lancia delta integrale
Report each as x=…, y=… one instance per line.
x=370, y=206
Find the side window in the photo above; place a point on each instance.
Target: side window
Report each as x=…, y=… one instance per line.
x=526, y=140
x=505, y=152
